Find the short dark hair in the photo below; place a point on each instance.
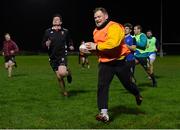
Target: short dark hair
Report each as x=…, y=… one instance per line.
x=149, y=31
x=57, y=15
x=130, y=26
x=139, y=27
x=100, y=9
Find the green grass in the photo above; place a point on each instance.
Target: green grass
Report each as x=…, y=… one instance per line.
x=31, y=99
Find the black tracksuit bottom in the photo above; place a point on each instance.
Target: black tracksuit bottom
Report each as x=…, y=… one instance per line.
x=107, y=70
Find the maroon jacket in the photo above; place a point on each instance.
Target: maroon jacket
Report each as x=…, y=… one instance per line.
x=9, y=46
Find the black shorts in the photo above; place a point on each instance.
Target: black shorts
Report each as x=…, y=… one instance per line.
x=9, y=58
x=55, y=63
x=131, y=63
x=84, y=55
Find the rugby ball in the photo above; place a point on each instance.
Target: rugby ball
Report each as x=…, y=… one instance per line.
x=83, y=49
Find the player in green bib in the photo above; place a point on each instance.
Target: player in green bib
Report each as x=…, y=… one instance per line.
x=142, y=53
x=152, y=46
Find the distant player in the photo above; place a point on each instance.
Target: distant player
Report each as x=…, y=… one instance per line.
x=9, y=51
x=131, y=44
x=152, y=47
x=84, y=58
x=141, y=53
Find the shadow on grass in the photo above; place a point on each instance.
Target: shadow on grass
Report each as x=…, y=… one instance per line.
x=19, y=75
x=139, y=88
x=77, y=92
x=147, y=84
x=159, y=76
x=118, y=110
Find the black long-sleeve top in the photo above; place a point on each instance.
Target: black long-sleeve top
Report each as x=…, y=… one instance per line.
x=60, y=41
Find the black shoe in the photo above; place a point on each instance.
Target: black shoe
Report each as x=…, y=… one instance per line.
x=138, y=100
x=69, y=78
x=15, y=65
x=154, y=83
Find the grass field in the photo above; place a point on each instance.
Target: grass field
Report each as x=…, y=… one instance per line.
x=31, y=99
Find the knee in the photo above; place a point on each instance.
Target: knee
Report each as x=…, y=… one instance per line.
x=10, y=64
x=62, y=70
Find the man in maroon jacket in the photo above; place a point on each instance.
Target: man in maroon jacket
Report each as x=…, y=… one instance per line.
x=9, y=51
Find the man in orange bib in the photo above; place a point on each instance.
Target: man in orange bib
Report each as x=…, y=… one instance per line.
x=111, y=51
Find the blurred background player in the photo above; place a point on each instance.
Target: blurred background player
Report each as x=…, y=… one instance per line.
x=57, y=40
x=84, y=58
x=131, y=44
x=141, y=53
x=152, y=48
x=9, y=51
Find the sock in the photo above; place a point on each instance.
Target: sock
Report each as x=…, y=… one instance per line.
x=83, y=64
x=104, y=111
x=153, y=77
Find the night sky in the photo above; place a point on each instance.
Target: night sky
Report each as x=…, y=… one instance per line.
x=26, y=20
